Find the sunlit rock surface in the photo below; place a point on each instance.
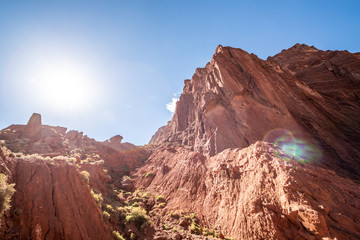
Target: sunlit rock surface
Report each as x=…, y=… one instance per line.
x=238, y=99
x=256, y=150
x=256, y=192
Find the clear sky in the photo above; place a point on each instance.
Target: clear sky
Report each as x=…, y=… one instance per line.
x=110, y=67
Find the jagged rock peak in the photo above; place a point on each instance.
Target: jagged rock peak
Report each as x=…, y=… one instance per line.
x=33, y=127
x=219, y=49
x=302, y=46
x=35, y=120
x=116, y=139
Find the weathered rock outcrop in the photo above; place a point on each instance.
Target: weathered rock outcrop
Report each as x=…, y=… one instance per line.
x=56, y=173
x=34, y=126
x=51, y=201
x=238, y=99
x=256, y=193
x=51, y=141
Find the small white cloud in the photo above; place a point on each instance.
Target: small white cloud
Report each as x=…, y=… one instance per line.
x=171, y=106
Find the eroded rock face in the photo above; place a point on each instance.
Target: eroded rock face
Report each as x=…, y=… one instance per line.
x=51, y=201
x=56, y=173
x=256, y=193
x=237, y=99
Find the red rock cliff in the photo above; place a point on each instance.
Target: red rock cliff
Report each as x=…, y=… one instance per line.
x=238, y=99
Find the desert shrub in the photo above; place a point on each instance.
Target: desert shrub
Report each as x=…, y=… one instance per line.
x=209, y=232
x=160, y=199
x=85, y=175
x=149, y=175
x=110, y=208
x=138, y=216
x=188, y=218
x=135, y=204
x=117, y=235
x=195, y=229
x=6, y=192
x=106, y=215
x=97, y=197
x=122, y=212
x=133, y=236
x=162, y=205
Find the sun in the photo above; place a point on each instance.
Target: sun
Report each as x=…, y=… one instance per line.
x=63, y=86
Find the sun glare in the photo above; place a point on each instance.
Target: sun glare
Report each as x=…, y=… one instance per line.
x=54, y=78
x=64, y=86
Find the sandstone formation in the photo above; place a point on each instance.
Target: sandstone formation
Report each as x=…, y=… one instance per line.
x=59, y=175
x=51, y=202
x=256, y=193
x=52, y=141
x=256, y=149
x=237, y=99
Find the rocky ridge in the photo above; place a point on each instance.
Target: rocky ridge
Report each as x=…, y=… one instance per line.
x=237, y=99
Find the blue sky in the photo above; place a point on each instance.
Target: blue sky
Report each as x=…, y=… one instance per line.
x=125, y=60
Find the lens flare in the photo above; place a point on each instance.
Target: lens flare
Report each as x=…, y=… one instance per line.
x=291, y=146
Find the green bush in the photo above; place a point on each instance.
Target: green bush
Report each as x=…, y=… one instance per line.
x=6, y=192
x=138, y=216
x=117, y=235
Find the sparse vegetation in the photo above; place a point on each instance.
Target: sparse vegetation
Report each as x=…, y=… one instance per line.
x=6, y=192
x=85, y=175
x=110, y=208
x=162, y=205
x=106, y=215
x=195, y=229
x=138, y=216
x=133, y=236
x=149, y=175
x=97, y=197
x=117, y=235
